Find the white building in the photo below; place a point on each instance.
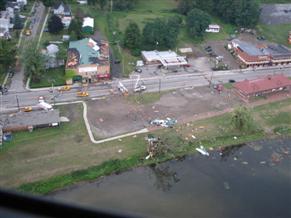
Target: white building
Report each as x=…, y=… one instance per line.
x=213, y=28
x=166, y=58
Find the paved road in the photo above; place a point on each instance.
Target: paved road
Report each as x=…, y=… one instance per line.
x=17, y=83
x=26, y=98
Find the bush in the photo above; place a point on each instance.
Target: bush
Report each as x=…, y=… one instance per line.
x=243, y=121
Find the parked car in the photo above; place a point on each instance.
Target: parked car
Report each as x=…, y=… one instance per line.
x=117, y=61
x=231, y=81
x=138, y=70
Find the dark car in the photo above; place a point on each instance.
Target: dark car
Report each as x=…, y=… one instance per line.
x=10, y=74
x=231, y=81
x=138, y=70
x=117, y=61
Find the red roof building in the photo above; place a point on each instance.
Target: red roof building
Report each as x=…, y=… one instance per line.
x=263, y=86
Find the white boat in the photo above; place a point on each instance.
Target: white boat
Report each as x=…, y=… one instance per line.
x=202, y=151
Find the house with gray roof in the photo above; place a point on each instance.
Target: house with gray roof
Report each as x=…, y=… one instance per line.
x=29, y=120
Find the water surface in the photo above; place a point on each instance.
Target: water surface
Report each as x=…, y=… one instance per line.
x=252, y=180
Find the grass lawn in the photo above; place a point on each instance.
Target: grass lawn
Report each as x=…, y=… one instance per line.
x=64, y=155
x=55, y=76
x=275, y=33
x=55, y=151
x=145, y=98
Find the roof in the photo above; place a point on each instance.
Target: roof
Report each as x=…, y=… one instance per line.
x=52, y=49
x=263, y=84
x=262, y=50
x=215, y=26
x=88, y=21
x=88, y=51
x=33, y=118
x=167, y=58
x=65, y=6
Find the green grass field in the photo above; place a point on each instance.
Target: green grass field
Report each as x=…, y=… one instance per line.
x=54, y=76
x=275, y=33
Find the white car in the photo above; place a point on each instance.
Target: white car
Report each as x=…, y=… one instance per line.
x=140, y=88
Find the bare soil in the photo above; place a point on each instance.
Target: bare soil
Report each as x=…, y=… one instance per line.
x=116, y=115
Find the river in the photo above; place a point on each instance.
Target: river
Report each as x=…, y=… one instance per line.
x=251, y=180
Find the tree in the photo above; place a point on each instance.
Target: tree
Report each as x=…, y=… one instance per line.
x=62, y=54
x=197, y=21
x=123, y=5
x=102, y=3
x=18, y=24
x=243, y=13
x=92, y=2
x=184, y=6
x=2, y=5
x=49, y=3
x=55, y=24
x=242, y=120
x=33, y=62
x=161, y=33
x=75, y=29
x=132, y=37
x=7, y=55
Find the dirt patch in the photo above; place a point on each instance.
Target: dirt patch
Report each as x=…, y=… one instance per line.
x=116, y=115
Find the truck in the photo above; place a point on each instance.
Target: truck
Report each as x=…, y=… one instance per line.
x=139, y=87
x=45, y=106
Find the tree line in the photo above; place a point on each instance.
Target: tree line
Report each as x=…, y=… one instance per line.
x=156, y=34
x=241, y=13
x=118, y=5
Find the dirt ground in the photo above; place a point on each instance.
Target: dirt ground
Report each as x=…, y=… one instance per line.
x=116, y=115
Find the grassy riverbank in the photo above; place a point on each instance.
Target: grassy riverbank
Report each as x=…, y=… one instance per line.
x=50, y=159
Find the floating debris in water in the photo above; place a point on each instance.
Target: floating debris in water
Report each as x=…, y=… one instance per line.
x=263, y=162
x=256, y=147
x=245, y=162
x=276, y=157
x=235, y=158
x=226, y=185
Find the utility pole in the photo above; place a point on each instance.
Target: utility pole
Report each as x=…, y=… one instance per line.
x=17, y=101
x=160, y=84
x=111, y=5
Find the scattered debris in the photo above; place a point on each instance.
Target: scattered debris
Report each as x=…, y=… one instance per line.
x=202, y=150
x=276, y=157
x=245, y=162
x=120, y=140
x=234, y=158
x=226, y=185
x=168, y=122
x=101, y=120
x=134, y=136
x=263, y=162
x=193, y=137
x=119, y=150
x=235, y=138
x=256, y=147
x=64, y=119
